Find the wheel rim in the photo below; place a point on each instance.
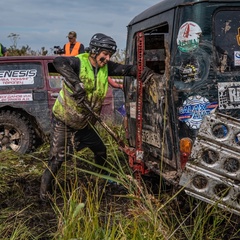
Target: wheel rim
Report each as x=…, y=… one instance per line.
x=10, y=138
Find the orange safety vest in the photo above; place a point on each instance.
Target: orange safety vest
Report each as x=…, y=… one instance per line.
x=75, y=50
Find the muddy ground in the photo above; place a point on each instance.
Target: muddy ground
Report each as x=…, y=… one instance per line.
x=21, y=202
x=19, y=193
x=19, y=197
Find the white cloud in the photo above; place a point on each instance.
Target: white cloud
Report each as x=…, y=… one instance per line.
x=46, y=23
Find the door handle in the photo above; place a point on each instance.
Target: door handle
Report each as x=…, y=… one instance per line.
x=55, y=95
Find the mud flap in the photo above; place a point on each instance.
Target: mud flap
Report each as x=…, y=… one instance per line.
x=213, y=172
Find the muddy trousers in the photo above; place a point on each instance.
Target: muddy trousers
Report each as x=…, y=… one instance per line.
x=48, y=177
x=63, y=142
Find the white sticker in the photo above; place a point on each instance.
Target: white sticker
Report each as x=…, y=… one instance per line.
x=17, y=77
x=16, y=97
x=133, y=109
x=229, y=95
x=236, y=58
x=188, y=36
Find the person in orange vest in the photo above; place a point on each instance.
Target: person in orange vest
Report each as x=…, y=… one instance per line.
x=73, y=48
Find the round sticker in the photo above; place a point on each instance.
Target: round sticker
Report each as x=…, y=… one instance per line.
x=189, y=73
x=194, y=109
x=188, y=36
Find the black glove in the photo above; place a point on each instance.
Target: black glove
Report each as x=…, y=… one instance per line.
x=79, y=93
x=146, y=74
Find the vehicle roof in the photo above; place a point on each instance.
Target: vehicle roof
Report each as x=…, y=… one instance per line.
x=19, y=58
x=165, y=5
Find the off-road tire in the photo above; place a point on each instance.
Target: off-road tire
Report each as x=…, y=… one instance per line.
x=16, y=133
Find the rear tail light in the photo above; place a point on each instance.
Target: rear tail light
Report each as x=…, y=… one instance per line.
x=185, y=150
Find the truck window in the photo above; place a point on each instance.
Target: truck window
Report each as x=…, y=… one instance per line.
x=155, y=48
x=25, y=75
x=227, y=40
x=55, y=79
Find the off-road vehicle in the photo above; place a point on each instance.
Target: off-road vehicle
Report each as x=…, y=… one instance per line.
x=29, y=86
x=184, y=125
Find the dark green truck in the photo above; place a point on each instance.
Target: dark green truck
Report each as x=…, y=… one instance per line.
x=190, y=124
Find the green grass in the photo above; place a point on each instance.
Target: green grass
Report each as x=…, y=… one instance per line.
x=85, y=207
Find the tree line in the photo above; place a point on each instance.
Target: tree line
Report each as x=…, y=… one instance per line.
x=14, y=50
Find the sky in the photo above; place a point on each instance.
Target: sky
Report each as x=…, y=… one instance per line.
x=46, y=23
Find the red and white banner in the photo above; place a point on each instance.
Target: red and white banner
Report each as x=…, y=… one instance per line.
x=16, y=97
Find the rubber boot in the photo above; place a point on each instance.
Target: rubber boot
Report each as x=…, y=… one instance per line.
x=47, y=179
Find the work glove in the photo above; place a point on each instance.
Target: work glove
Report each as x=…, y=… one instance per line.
x=147, y=73
x=79, y=93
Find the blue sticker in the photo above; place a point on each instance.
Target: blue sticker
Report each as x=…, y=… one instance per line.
x=194, y=109
x=122, y=110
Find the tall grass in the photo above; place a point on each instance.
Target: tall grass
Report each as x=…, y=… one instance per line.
x=88, y=204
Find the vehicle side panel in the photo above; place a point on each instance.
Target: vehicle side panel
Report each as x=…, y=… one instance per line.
x=158, y=136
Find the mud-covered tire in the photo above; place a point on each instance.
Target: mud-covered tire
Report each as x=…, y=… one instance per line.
x=16, y=133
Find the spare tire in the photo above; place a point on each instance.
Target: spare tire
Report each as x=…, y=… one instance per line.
x=16, y=133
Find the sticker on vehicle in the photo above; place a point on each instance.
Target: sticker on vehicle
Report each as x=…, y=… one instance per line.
x=236, y=58
x=16, y=97
x=133, y=109
x=17, y=77
x=194, y=109
x=188, y=36
x=229, y=95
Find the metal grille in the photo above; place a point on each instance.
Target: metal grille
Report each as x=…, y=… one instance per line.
x=213, y=172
